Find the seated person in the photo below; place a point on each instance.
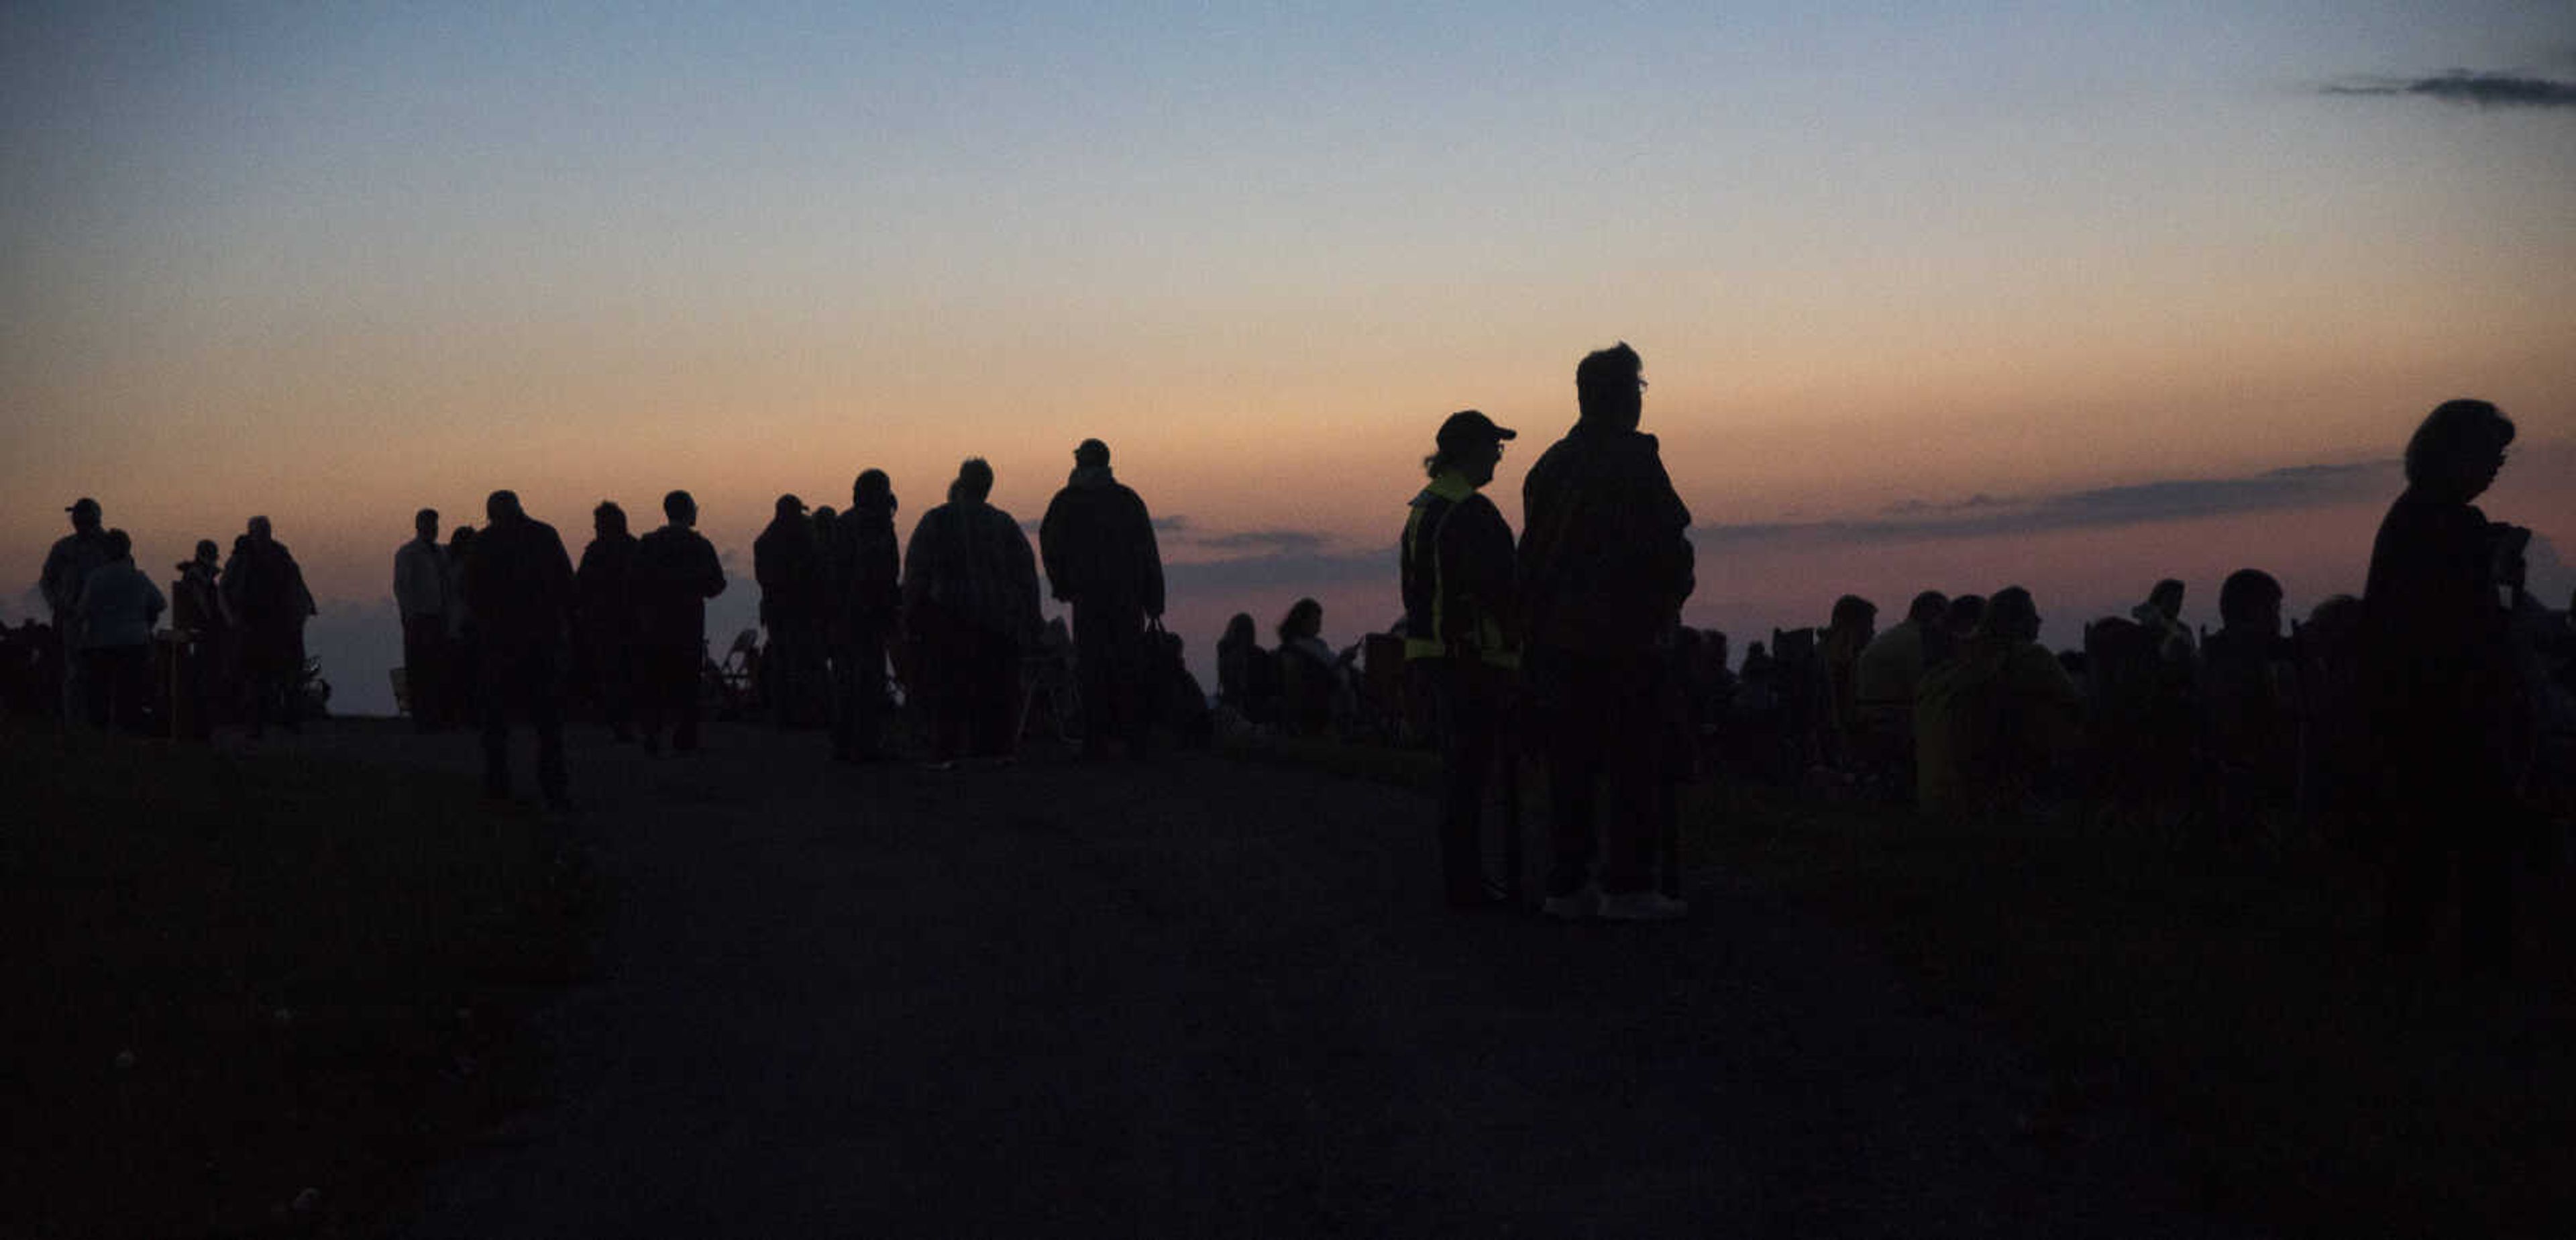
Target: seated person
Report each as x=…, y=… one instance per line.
x=1989, y=721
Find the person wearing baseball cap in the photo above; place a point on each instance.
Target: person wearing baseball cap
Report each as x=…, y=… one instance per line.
x=67, y=566
x=1461, y=640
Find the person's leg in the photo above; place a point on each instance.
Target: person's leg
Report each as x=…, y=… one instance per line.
x=1467, y=738
x=98, y=687
x=545, y=690
x=996, y=664
x=499, y=686
x=75, y=687
x=1096, y=673
x=1625, y=712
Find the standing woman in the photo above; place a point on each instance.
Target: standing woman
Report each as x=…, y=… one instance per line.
x=2442, y=691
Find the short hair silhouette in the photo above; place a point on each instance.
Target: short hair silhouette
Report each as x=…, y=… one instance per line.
x=609, y=516
x=1853, y=609
x=1305, y=618
x=501, y=505
x=1927, y=607
x=2245, y=592
x=678, y=504
x=2011, y=612
x=872, y=489
x=259, y=527
x=119, y=544
x=1091, y=452
x=974, y=478
x=425, y=514
x=1606, y=383
x=2456, y=431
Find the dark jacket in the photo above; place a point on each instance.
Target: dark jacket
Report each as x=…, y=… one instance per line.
x=2442, y=690
x=519, y=582
x=1460, y=580
x=866, y=578
x=674, y=574
x=1605, y=557
x=969, y=561
x=1098, y=544
x=787, y=561
x=264, y=587
x=601, y=587
x=67, y=566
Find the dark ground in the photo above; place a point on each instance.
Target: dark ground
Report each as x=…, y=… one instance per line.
x=1206, y=996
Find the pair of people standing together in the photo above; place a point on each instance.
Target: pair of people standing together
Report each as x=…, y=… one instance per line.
x=1578, y=618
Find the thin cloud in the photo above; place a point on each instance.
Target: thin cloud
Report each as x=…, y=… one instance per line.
x=1274, y=542
x=2468, y=88
x=1982, y=516
x=1271, y=559
x=1176, y=523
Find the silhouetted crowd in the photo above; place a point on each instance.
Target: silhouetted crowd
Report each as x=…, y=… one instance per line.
x=2430, y=719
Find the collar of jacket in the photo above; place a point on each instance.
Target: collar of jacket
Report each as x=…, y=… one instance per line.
x=1090, y=476
x=1450, y=485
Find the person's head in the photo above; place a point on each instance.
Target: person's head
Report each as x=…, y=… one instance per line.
x=1469, y=443
x=1927, y=608
x=259, y=530
x=608, y=520
x=974, y=480
x=501, y=508
x=2166, y=598
x=872, y=491
x=207, y=552
x=1964, y=613
x=425, y=524
x=680, y=509
x=85, y=515
x=2011, y=614
x=459, y=538
x=1610, y=385
x=2250, y=601
x=789, y=508
x=824, y=516
x=1239, y=630
x=2458, y=449
x=1091, y=454
x=1305, y=618
x=119, y=545
x=1855, y=614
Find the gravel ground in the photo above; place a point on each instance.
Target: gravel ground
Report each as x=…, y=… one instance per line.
x=1198, y=996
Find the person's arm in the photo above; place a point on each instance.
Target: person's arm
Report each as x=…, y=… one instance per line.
x=1149, y=565
x=1051, y=549
x=710, y=574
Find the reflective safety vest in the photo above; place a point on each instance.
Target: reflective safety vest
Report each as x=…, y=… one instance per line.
x=1457, y=564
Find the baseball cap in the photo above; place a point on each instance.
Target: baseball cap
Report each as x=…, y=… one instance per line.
x=1471, y=426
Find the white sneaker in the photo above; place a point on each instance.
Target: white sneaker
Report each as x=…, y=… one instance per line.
x=1643, y=906
x=1583, y=902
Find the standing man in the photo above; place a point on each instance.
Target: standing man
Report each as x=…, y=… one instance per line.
x=197, y=617
x=421, y=593
x=867, y=605
x=519, y=581
x=67, y=566
x=675, y=573
x=787, y=562
x=1460, y=607
x=970, y=601
x=118, y=607
x=264, y=586
x=604, y=618
x=1101, y=557
x=1605, y=564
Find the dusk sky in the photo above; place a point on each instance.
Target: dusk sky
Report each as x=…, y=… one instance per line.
x=1932, y=295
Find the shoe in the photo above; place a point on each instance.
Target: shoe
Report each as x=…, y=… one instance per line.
x=1643, y=906
x=1575, y=905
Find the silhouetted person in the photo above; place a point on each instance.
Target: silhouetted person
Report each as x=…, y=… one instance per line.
x=675, y=572
x=1885, y=678
x=1461, y=620
x=2245, y=684
x=1987, y=722
x=866, y=608
x=519, y=580
x=1957, y=625
x=787, y=560
x=117, y=609
x=604, y=618
x=1247, y=679
x=970, y=603
x=197, y=621
x=67, y=565
x=422, y=594
x=2161, y=614
x=265, y=589
x=2443, y=687
x=1313, y=680
x=1605, y=564
x=1097, y=541
x=464, y=645
x=1853, y=626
